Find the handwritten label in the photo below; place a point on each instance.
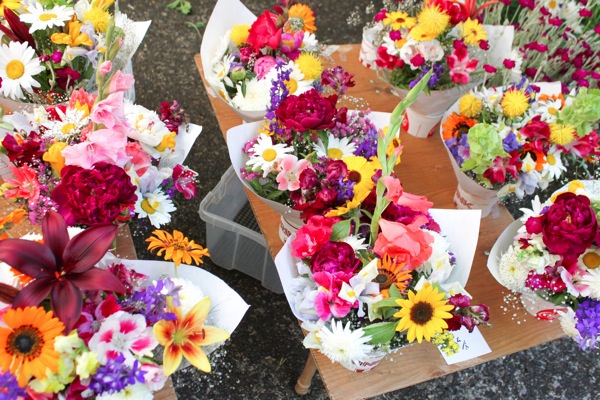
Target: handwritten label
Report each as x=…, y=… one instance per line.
x=472, y=345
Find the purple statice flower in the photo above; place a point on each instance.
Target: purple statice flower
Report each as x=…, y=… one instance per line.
x=116, y=376
x=337, y=79
x=151, y=301
x=510, y=143
x=9, y=387
x=588, y=323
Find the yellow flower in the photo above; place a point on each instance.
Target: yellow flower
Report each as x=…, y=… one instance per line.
x=168, y=142
x=472, y=31
x=310, y=65
x=74, y=38
x=423, y=314
x=301, y=18
x=176, y=247
x=561, y=134
x=514, y=103
x=239, y=34
x=346, y=208
x=87, y=364
x=27, y=343
x=398, y=20
x=470, y=106
x=360, y=171
x=184, y=336
x=54, y=157
x=10, y=4
x=99, y=17
x=431, y=22
x=591, y=259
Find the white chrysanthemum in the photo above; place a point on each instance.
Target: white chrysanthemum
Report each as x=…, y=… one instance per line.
x=342, y=344
x=554, y=167
x=356, y=242
x=567, y=323
x=18, y=65
x=189, y=294
x=138, y=391
x=266, y=154
x=149, y=130
x=591, y=279
x=68, y=126
x=438, y=267
x=513, y=272
x=431, y=50
x=337, y=148
x=41, y=19
x=257, y=96
x=156, y=206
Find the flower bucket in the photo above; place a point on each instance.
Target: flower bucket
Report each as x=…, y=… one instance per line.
x=540, y=308
x=369, y=363
x=368, y=51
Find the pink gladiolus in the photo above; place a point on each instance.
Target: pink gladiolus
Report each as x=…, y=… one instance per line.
x=25, y=183
x=398, y=196
x=394, y=188
x=109, y=112
x=408, y=244
x=106, y=145
x=289, y=172
x=105, y=68
x=120, y=82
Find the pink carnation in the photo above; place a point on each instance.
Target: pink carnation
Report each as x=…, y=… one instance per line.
x=312, y=236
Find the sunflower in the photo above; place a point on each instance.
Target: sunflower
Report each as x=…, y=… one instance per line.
x=431, y=22
x=27, y=343
x=472, y=31
x=561, y=134
x=470, y=106
x=360, y=171
x=301, y=18
x=423, y=313
x=176, y=247
x=514, y=103
x=345, y=209
x=456, y=125
x=391, y=273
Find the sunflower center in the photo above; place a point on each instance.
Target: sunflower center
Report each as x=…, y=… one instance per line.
x=421, y=313
x=15, y=69
x=292, y=85
x=25, y=341
x=354, y=176
x=334, y=153
x=269, y=155
x=48, y=17
x=148, y=207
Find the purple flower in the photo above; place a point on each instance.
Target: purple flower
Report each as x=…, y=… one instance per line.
x=588, y=323
x=116, y=376
x=9, y=388
x=151, y=301
x=510, y=143
x=338, y=79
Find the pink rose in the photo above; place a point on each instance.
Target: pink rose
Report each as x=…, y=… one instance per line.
x=263, y=65
x=312, y=236
x=407, y=244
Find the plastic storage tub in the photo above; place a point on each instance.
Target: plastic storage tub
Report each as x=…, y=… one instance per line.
x=233, y=237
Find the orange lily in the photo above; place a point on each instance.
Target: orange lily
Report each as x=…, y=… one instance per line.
x=183, y=337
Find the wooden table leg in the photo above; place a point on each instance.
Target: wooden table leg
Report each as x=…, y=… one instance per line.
x=304, y=381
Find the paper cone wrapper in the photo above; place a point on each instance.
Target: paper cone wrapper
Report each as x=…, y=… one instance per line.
x=239, y=135
x=225, y=15
x=368, y=51
x=500, y=39
x=540, y=308
x=459, y=227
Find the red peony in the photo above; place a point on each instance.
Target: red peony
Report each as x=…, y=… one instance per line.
x=569, y=226
x=94, y=196
x=307, y=111
x=335, y=257
x=264, y=32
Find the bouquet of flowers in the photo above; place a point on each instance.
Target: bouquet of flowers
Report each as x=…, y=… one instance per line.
x=378, y=273
x=112, y=332
x=50, y=49
x=243, y=64
x=555, y=256
x=99, y=158
x=554, y=41
x=518, y=139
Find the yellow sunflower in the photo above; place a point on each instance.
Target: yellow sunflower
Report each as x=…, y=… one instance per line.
x=346, y=208
x=431, y=22
x=301, y=18
x=456, y=125
x=514, y=103
x=561, y=134
x=472, y=31
x=398, y=20
x=423, y=314
x=27, y=343
x=391, y=273
x=360, y=171
x=470, y=106
x=176, y=247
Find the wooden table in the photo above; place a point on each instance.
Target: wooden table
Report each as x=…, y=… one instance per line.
x=425, y=170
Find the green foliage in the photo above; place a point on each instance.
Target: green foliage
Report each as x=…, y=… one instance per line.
x=183, y=6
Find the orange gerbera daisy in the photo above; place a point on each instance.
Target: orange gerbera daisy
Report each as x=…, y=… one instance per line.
x=456, y=125
x=176, y=247
x=392, y=273
x=184, y=336
x=301, y=18
x=27, y=343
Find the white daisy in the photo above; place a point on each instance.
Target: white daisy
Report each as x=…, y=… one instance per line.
x=310, y=42
x=554, y=167
x=257, y=96
x=68, y=126
x=296, y=84
x=548, y=109
x=591, y=279
x=18, y=65
x=512, y=272
x=536, y=209
x=336, y=148
x=266, y=154
x=342, y=344
x=41, y=19
x=156, y=206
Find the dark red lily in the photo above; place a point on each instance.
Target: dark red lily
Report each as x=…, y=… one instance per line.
x=61, y=267
x=18, y=32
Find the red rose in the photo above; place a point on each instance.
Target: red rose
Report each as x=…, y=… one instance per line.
x=307, y=111
x=264, y=32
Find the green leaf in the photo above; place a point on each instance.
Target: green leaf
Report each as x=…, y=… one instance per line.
x=381, y=332
x=244, y=88
x=340, y=230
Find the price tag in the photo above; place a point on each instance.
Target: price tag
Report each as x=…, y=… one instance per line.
x=472, y=345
